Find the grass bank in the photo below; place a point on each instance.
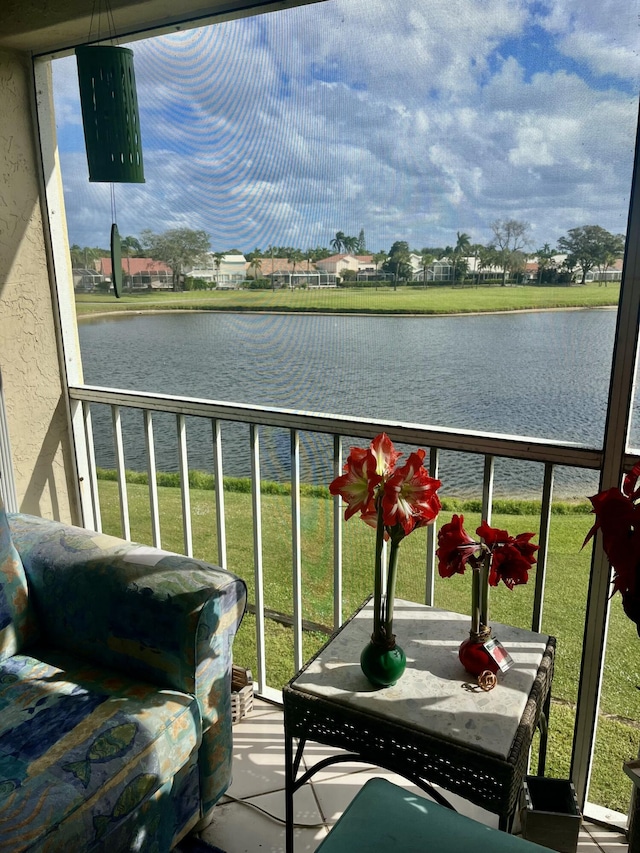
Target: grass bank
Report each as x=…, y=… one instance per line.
x=565, y=596
x=384, y=300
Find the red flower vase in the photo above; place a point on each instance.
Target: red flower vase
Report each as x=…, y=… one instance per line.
x=473, y=655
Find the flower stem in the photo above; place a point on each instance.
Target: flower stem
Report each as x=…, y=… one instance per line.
x=484, y=592
x=377, y=581
x=391, y=589
x=476, y=581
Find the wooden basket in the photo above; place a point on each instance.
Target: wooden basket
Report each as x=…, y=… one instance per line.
x=241, y=693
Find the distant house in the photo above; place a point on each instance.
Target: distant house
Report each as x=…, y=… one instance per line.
x=531, y=270
x=610, y=273
x=365, y=263
x=438, y=270
x=86, y=280
x=227, y=272
x=140, y=273
x=284, y=273
x=337, y=264
x=367, y=270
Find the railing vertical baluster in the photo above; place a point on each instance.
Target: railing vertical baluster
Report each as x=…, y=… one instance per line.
x=92, y=472
x=541, y=565
x=487, y=488
x=337, y=537
x=184, y=485
x=429, y=591
x=219, y=492
x=120, y=468
x=261, y=675
x=151, y=478
x=296, y=550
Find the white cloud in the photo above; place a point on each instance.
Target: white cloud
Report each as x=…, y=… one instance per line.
x=603, y=35
x=340, y=115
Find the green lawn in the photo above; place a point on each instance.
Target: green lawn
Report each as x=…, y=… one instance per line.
x=566, y=591
x=385, y=300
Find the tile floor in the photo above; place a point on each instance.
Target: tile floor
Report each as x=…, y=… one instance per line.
x=258, y=784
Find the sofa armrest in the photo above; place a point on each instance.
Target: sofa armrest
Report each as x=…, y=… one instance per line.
x=161, y=616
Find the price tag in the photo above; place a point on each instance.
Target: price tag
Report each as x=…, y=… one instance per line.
x=500, y=655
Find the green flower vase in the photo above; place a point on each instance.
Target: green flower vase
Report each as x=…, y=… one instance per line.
x=382, y=664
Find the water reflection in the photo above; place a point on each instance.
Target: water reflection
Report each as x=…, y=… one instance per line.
x=542, y=374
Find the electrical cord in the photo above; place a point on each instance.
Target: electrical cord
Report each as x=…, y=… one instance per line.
x=273, y=816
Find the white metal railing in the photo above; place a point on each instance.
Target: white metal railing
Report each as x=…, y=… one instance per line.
x=489, y=446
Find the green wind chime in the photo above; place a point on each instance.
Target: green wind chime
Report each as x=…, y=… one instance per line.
x=111, y=125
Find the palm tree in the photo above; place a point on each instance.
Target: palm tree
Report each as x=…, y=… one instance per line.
x=463, y=242
x=545, y=260
x=271, y=250
x=77, y=256
x=294, y=257
x=488, y=256
x=379, y=258
x=308, y=257
x=426, y=259
x=338, y=241
x=130, y=246
x=255, y=264
x=475, y=250
x=350, y=244
x=218, y=258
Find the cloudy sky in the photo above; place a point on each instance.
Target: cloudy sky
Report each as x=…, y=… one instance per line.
x=412, y=120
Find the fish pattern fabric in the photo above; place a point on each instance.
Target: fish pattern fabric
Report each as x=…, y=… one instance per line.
x=115, y=727
x=17, y=624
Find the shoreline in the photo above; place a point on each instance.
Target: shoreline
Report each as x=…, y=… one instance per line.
x=150, y=311
x=506, y=503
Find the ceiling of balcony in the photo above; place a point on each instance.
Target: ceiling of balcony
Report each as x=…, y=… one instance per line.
x=41, y=26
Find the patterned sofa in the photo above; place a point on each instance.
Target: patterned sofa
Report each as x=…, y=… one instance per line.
x=115, y=679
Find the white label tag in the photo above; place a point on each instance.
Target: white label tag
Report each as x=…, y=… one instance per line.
x=500, y=655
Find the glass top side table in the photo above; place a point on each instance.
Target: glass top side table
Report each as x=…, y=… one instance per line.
x=435, y=725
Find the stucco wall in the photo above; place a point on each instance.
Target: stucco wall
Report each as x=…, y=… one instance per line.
x=29, y=363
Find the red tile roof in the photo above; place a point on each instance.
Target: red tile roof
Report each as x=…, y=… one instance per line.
x=135, y=266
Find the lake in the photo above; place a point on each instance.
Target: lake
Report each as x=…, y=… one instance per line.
x=541, y=374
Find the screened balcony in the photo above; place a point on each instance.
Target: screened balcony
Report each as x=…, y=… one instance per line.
x=48, y=465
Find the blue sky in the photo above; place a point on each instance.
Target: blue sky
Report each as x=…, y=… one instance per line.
x=412, y=120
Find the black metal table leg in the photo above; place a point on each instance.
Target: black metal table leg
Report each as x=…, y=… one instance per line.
x=289, y=776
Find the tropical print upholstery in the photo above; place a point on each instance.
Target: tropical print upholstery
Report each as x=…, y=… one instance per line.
x=17, y=626
x=115, y=726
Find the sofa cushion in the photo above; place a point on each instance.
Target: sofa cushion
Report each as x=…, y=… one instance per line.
x=83, y=749
x=17, y=623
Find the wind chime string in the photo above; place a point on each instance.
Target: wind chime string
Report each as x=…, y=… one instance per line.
x=113, y=201
x=96, y=14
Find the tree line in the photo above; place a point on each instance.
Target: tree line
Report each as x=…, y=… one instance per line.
x=584, y=248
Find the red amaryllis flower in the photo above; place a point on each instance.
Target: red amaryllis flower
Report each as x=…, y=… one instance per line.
x=618, y=518
x=385, y=454
x=410, y=495
x=493, y=535
x=357, y=484
x=511, y=556
x=629, y=484
x=511, y=561
x=394, y=502
x=455, y=547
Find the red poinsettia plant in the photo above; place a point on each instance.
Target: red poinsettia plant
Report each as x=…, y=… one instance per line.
x=618, y=519
x=496, y=557
x=395, y=499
